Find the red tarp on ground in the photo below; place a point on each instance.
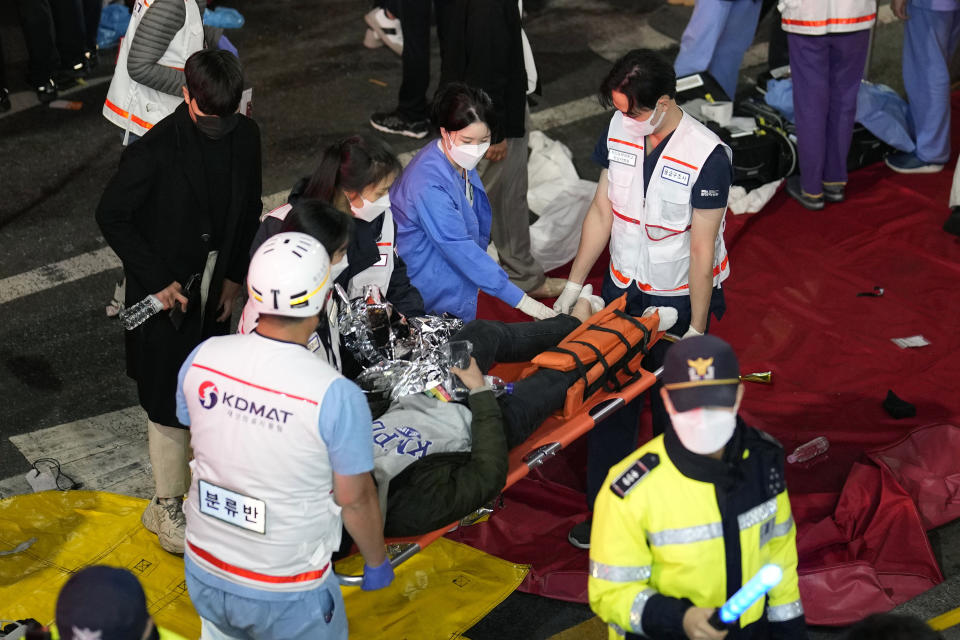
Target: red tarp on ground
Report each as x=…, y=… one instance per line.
x=793, y=309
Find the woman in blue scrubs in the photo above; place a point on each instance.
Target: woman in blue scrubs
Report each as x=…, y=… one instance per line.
x=443, y=215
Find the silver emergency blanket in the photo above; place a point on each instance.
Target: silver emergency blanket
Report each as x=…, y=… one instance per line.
x=400, y=356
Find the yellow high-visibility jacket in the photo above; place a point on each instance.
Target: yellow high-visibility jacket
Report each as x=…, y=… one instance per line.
x=672, y=529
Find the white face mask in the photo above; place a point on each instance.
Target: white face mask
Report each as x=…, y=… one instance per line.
x=467, y=155
x=370, y=210
x=704, y=430
x=338, y=268
x=641, y=129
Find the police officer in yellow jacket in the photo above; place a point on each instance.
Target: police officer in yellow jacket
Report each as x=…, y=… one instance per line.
x=688, y=518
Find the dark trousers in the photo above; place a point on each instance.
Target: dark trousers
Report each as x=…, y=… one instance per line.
x=615, y=437
x=415, y=24
x=91, y=22
x=69, y=29
x=534, y=398
x=36, y=18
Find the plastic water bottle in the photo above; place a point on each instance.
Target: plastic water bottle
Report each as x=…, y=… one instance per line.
x=133, y=317
x=808, y=451
x=460, y=392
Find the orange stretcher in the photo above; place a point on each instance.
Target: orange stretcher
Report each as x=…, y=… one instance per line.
x=549, y=439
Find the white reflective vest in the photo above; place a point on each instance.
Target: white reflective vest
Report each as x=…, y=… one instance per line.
x=260, y=512
x=650, y=235
x=137, y=108
x=819, y=17
x=380, y=272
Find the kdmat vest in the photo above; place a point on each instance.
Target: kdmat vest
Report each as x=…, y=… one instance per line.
x=260, y=512
x=650, y=237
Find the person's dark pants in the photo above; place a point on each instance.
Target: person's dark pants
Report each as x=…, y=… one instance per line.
x=3, y=68
x=415, y=25
x=615, y=437
x=69, y=27
x=534, y=398
x=36, y=18
x=91, y=23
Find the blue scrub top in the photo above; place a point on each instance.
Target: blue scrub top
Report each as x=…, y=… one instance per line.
x=443, y=238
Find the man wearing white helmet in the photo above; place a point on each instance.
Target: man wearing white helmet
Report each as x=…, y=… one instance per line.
x=282, y=458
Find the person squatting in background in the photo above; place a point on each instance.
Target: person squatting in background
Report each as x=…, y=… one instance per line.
x=443, y=214
x=282, y=461
x=660, y=204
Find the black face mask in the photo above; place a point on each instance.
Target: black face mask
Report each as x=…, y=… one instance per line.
x=216, y=127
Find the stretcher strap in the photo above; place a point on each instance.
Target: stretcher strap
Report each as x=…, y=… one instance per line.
x=600, y=360
x=581, y=369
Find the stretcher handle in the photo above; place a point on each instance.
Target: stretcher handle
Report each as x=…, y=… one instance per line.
x=538, y=456
x=601, y=410
x=348, y=580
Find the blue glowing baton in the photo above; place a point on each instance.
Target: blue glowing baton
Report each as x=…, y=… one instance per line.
x=767, y=578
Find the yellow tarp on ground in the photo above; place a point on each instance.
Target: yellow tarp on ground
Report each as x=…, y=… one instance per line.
x=440, y=593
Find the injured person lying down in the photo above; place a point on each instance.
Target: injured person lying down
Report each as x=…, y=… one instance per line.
x=436, y=462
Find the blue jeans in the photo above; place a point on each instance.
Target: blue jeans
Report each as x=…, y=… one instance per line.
x=613, y=439
x=245, y=613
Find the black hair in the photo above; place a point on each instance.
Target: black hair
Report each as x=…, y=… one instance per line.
x=891, y=626
x=352, y=164
x=330, y=226
x=643, y=76
x=281, y=320
x=215, y=81
x=457, y=105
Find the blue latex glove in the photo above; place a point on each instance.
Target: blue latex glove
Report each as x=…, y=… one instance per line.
x=377, y=577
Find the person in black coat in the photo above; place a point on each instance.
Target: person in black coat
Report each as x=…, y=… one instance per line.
x=181, y=212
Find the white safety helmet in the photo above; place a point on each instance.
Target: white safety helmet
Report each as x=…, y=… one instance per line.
x=289, y=276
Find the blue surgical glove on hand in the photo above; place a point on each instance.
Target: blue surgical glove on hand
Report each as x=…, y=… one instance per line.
x=377, y=577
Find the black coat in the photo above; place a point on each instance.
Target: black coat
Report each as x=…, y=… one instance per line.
x=482, y=47
x=154, y=214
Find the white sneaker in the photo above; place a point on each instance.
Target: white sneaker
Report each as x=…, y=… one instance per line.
x=166, y=519
x=371, y=40
x=386, y=29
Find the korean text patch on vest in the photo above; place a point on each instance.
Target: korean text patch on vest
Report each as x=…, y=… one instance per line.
x=634, y=474
x=232, y=507
x=675, y=175
x=615, y=155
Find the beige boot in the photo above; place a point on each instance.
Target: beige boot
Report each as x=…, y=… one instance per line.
x=166, y=519
x=551, y=288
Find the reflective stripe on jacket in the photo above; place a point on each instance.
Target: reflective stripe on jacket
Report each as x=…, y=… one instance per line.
x=820, y=17
x=665, y=544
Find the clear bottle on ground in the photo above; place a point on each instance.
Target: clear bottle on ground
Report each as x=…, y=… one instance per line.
x=809, y=450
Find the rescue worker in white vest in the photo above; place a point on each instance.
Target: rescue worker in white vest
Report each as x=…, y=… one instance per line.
x=660, y=203
x=282, y=458
x=688, y=518
x=147, y=81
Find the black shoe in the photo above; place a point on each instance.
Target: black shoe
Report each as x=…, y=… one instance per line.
x=834, y=191
x=814, y=203
x=5, y=100
x=393, y=122
x=91, y=60
x=952, y=225
x=579, y=535
x=47, y=92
